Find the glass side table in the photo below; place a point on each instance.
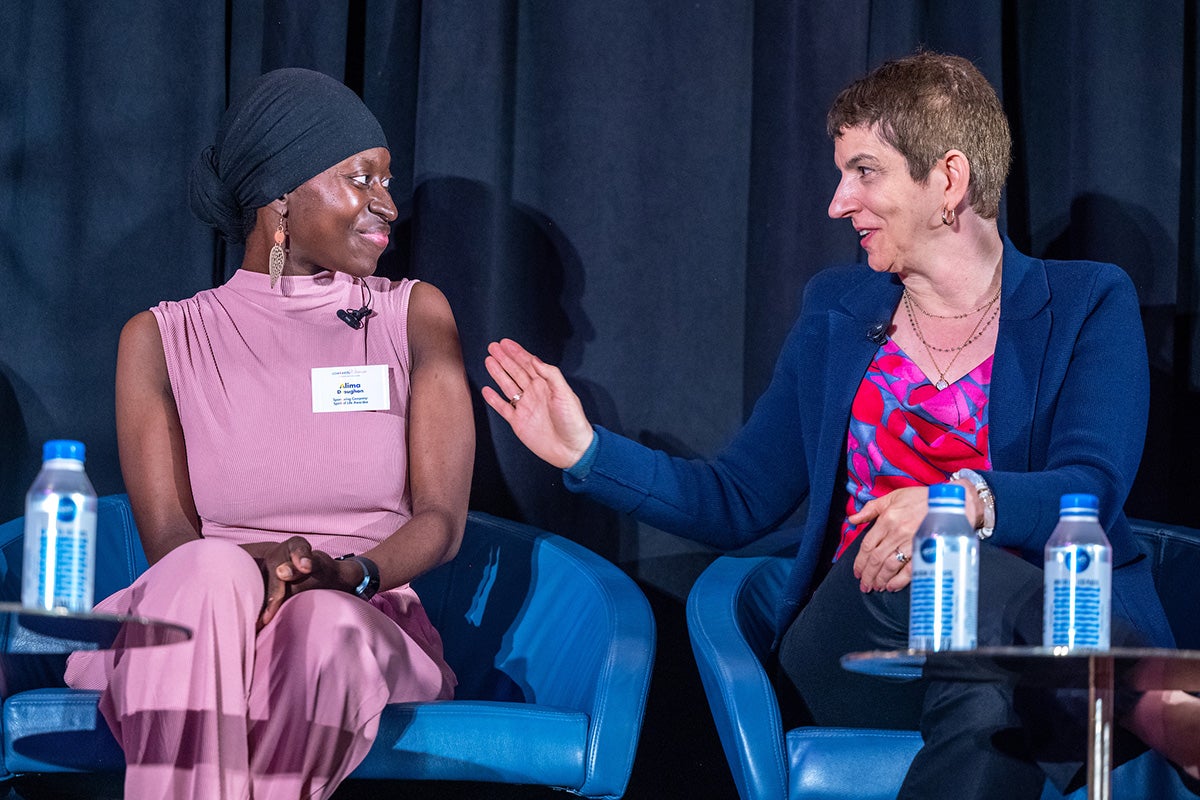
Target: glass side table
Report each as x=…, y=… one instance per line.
x=30, y=631
x=1143, y=668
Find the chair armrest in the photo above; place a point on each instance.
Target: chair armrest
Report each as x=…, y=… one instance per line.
x=584, y=639
x=730, y=613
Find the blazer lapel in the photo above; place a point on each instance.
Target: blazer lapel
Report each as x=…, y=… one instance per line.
x=1025, y=320
x=866, y=303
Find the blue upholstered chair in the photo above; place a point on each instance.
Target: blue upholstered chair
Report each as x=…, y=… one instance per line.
x=552, y=645
x=730, y=612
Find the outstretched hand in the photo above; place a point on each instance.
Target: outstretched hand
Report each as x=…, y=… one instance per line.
x=536, y=401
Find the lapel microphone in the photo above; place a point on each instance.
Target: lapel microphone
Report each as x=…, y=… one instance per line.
x=354, y=316
x=877, y=333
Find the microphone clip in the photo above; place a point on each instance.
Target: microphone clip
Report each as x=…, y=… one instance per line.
x=354, y=316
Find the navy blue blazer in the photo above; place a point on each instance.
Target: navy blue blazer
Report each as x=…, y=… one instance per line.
x=1067, y=413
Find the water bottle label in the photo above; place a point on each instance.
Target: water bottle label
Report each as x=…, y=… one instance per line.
x=1078, y=587
x=929, y=551
x=930, y=614
x=63, y=529
x=942, y=599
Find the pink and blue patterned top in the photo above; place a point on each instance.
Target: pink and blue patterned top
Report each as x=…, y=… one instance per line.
x=905, y=432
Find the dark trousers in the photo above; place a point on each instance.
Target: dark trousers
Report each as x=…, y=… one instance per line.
x=976, y=743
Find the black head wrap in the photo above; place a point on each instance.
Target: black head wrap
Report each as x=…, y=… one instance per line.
x=291, y=125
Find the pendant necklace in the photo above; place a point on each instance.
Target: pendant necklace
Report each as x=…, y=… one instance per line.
x=978, y=331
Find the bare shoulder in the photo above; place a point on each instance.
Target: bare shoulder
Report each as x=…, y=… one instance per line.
x=141, y=344
x=428, y=303
x=432, y=331
x=141, y=325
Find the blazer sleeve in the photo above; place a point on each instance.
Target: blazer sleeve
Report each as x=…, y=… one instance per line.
x=1091, y=406
x=742, y=494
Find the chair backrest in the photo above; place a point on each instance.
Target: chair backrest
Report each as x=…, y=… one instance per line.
x=487, y=576
x=526, y=580
x=1174, y=553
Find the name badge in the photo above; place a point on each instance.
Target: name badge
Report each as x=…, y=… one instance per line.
x=364, y=388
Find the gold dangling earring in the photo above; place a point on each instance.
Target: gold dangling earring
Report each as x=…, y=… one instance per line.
x=277, y=252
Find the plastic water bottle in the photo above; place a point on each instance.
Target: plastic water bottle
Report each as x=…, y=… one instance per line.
x=1078, y=588
x=944, y=599
x=60, y=531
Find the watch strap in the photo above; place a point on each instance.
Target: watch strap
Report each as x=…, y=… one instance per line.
x=370, y=582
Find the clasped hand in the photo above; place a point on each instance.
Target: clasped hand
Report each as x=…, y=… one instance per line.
x=893, y=520
x=292, y=566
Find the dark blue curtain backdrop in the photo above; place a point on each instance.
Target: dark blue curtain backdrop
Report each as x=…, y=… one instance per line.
x=635, y=190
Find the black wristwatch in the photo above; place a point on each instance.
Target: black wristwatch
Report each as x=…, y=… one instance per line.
x=370, y=582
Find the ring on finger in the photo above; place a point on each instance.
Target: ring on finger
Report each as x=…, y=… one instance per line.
x=901, y=557
x=512, y=401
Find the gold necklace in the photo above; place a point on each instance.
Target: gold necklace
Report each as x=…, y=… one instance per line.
x=921, y=308
x=980, y=327
x=975, y=334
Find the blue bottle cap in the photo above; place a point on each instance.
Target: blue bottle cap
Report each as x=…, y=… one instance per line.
x=1079, y=504
x=63, y=448
x=947, y=494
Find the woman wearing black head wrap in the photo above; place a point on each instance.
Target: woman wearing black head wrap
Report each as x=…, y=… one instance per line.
x=303, y=410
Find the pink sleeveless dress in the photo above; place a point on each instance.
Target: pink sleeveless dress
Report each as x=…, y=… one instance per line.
x=291, y=710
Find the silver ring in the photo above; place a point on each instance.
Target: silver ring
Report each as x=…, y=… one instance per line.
x=512, y=401
x=903, y=559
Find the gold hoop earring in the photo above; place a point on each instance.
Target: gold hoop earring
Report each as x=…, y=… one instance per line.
x=948, y=216
x=277, y=252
